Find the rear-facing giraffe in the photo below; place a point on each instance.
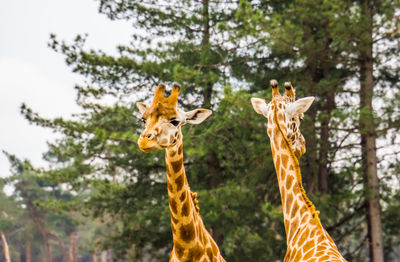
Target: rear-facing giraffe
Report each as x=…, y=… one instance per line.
x=164, y=119
x=306, y=239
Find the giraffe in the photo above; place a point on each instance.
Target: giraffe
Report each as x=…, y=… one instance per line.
x=163, y=120
x=306, y=239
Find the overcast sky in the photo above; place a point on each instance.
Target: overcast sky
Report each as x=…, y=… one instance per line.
x=32, y=73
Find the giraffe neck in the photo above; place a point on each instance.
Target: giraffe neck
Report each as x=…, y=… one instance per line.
x=191, y=240
x=295, y=203
x=305, y=236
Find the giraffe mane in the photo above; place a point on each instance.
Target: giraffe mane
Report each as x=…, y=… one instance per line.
x=309, y=204
x=195, y=201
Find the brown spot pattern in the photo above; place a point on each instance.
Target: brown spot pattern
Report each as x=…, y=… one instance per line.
x=183, y=196
x=304, y=236
x=195, y=253
x=295, y=236
x=276, y=145
x=308, y=246
x=283, y=174
x=172, y=204
x=293, y=226
x=289, y=200
x=179, y=183
x=295, y=208
x=177, y=165
x=313, y=232
x=185, y=209
x=280, y=116
x=187, y=232
x=170, y=187
x=172, y=153
x=289, y=182
x=179, y=250
x=285, y=159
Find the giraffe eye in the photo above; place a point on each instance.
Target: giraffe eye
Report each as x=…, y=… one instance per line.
x=143, y=120
x=174, y=122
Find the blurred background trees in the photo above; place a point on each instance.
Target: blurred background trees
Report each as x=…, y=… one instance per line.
x=102, y=198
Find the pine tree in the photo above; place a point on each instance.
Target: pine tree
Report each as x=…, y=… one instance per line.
x=378, y=24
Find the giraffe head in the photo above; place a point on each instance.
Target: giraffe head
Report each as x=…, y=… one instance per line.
x=286, y=113
x=164, y=119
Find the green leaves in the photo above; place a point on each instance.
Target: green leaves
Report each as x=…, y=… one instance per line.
x=5, y=224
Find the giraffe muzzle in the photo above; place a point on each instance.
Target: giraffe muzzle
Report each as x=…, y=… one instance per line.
x=146, y=144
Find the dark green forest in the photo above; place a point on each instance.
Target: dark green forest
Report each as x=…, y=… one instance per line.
x=102, y=199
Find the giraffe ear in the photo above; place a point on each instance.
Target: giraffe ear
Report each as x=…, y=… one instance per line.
x=259, y=106
x=299, y=106
x=142, y=107
x=197, y=116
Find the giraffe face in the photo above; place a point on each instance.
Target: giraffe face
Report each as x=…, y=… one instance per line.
x=287, y=112
x=163, y=120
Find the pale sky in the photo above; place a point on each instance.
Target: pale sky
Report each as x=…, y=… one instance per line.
x=32, y=73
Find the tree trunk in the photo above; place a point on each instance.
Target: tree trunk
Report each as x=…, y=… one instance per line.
x=46, y=244
x=205, y=42
x=103, y=257
x=133, y=252
x=214, y=182
x=73, y=251
x=47, y=248
x=309, y=161
x=21, y=254
x=61, y=245
x=324, y=136
x=368, y=140
x=46, y=235
x=5, y=247
x=28, y=251
x=94, y=255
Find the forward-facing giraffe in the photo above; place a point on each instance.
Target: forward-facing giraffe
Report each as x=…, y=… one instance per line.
x=306, y=239
x=164, y=119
